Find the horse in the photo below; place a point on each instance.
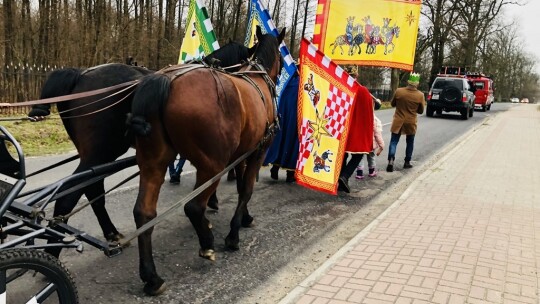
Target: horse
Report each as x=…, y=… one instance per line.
x=101, y=137
x=346, y=39
x=357, y=40
x=372, y=39
x=211, y=118
x=389, y=37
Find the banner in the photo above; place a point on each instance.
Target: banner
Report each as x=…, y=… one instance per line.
x=325, y=98
x=259, y=15
x=368, y=32
x=199, y=39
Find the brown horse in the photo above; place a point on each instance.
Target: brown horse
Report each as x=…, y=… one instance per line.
x=211, y=118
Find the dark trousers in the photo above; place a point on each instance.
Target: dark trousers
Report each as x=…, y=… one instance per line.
x=394, y=140
x=348, y=168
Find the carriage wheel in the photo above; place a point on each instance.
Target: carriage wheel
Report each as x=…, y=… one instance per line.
x=33, y=276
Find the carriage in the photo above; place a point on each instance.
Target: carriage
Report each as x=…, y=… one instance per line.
x=32, y=240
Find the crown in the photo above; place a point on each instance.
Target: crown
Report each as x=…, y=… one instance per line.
x=414, y=78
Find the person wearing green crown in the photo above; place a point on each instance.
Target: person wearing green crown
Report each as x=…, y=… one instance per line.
x=408, y=102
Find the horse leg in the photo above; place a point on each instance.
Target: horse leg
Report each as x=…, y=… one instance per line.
x=241, y=216
x=195, y=211
x=213, y=201
x=97, y=191
x=143, y=212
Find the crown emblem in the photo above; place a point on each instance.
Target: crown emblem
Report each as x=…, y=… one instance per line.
x=414, y=78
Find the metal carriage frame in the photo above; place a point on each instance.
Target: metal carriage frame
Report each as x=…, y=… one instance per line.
x=25, y=229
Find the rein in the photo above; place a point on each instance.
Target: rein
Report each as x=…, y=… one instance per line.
x=122, y=243
x=70, y=96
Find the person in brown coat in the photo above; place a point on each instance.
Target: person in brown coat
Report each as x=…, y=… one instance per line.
x=408, y=102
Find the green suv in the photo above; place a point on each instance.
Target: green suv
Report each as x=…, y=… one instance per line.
x=450, y=94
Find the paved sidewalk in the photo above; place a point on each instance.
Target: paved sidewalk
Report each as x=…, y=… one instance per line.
x=466, y=231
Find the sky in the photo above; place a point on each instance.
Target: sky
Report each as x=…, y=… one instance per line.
x=526, y=17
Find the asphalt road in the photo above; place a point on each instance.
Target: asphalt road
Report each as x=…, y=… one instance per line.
x=296, y=229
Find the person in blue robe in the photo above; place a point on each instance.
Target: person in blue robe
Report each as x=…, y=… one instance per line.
x=283, y=153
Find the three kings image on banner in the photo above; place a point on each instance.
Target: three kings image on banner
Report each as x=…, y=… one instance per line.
x=368, y=32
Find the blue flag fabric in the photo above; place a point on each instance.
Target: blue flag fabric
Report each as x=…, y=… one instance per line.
x=259, y=15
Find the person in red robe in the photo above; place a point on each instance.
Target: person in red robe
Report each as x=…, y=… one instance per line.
x=360, y=136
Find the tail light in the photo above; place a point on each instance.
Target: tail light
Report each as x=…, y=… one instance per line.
x=429, y=95
x=464, y=98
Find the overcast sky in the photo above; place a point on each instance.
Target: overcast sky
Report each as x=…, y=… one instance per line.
x=527, y=18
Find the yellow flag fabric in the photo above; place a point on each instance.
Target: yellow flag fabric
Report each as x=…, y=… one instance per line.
x=199, y=39
x=368, y=32
x=325, y=98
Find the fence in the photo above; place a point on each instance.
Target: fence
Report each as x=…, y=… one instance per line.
x=21, y=82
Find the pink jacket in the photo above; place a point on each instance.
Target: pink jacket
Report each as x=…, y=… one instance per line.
x=378, y=141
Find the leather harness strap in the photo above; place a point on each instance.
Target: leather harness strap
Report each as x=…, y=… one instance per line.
x=71, y=96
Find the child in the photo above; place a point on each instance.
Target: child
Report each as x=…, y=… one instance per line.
x=378, y=147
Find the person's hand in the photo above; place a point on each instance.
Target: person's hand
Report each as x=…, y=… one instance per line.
x=379, y=150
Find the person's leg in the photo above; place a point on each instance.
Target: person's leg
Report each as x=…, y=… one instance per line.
x=372, y=165
x=409, y=151
x=347, y=171
x=180, y=165
x=171, y=168
x=392, y=147
x=360, y=168
x=175, y=176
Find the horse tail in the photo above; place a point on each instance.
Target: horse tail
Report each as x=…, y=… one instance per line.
x=148, y=101
x=58, y=83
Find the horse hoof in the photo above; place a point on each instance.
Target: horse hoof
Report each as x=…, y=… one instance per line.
x=115, y=238
x=154, y=289
x=213, y=205
x=247, y=221
x=207, y=254
x=231, y=244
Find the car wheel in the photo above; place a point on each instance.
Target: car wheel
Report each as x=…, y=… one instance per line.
x=464, y=114
x=489, y=107
x=471, y=112
x=484, y=108
x=429, y=111
x=439, y=112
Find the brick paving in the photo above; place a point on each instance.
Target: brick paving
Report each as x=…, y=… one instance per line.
x=464, y=232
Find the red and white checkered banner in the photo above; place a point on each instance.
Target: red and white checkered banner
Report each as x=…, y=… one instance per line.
x=325, y=99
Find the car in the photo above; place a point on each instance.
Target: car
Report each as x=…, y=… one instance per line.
x=514, y=100
x=482, y=86
x=450, y=93
x=525, y=100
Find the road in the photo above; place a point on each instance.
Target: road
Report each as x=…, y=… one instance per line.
x=296, y=229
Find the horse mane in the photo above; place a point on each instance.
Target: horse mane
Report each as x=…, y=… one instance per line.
x=229, y=54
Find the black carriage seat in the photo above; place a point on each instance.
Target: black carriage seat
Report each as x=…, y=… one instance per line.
x=9, y=170
x=8, y=165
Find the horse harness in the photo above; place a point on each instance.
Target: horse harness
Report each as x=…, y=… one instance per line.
x=254, y=67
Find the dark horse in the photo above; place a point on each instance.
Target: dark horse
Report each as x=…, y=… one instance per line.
x=211, y=118
x=97, y=129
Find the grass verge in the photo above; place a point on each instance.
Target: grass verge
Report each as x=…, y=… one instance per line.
x=45, y=137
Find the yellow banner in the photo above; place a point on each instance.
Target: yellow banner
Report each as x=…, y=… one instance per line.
x=368, y=32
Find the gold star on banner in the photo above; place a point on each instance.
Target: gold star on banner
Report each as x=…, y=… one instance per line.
x=319, y=129
x=410, y=18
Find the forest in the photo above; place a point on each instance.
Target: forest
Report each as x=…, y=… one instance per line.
x=41, y=35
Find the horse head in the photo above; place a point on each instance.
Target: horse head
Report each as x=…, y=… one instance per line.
x=267, y=52
x=395, y=30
